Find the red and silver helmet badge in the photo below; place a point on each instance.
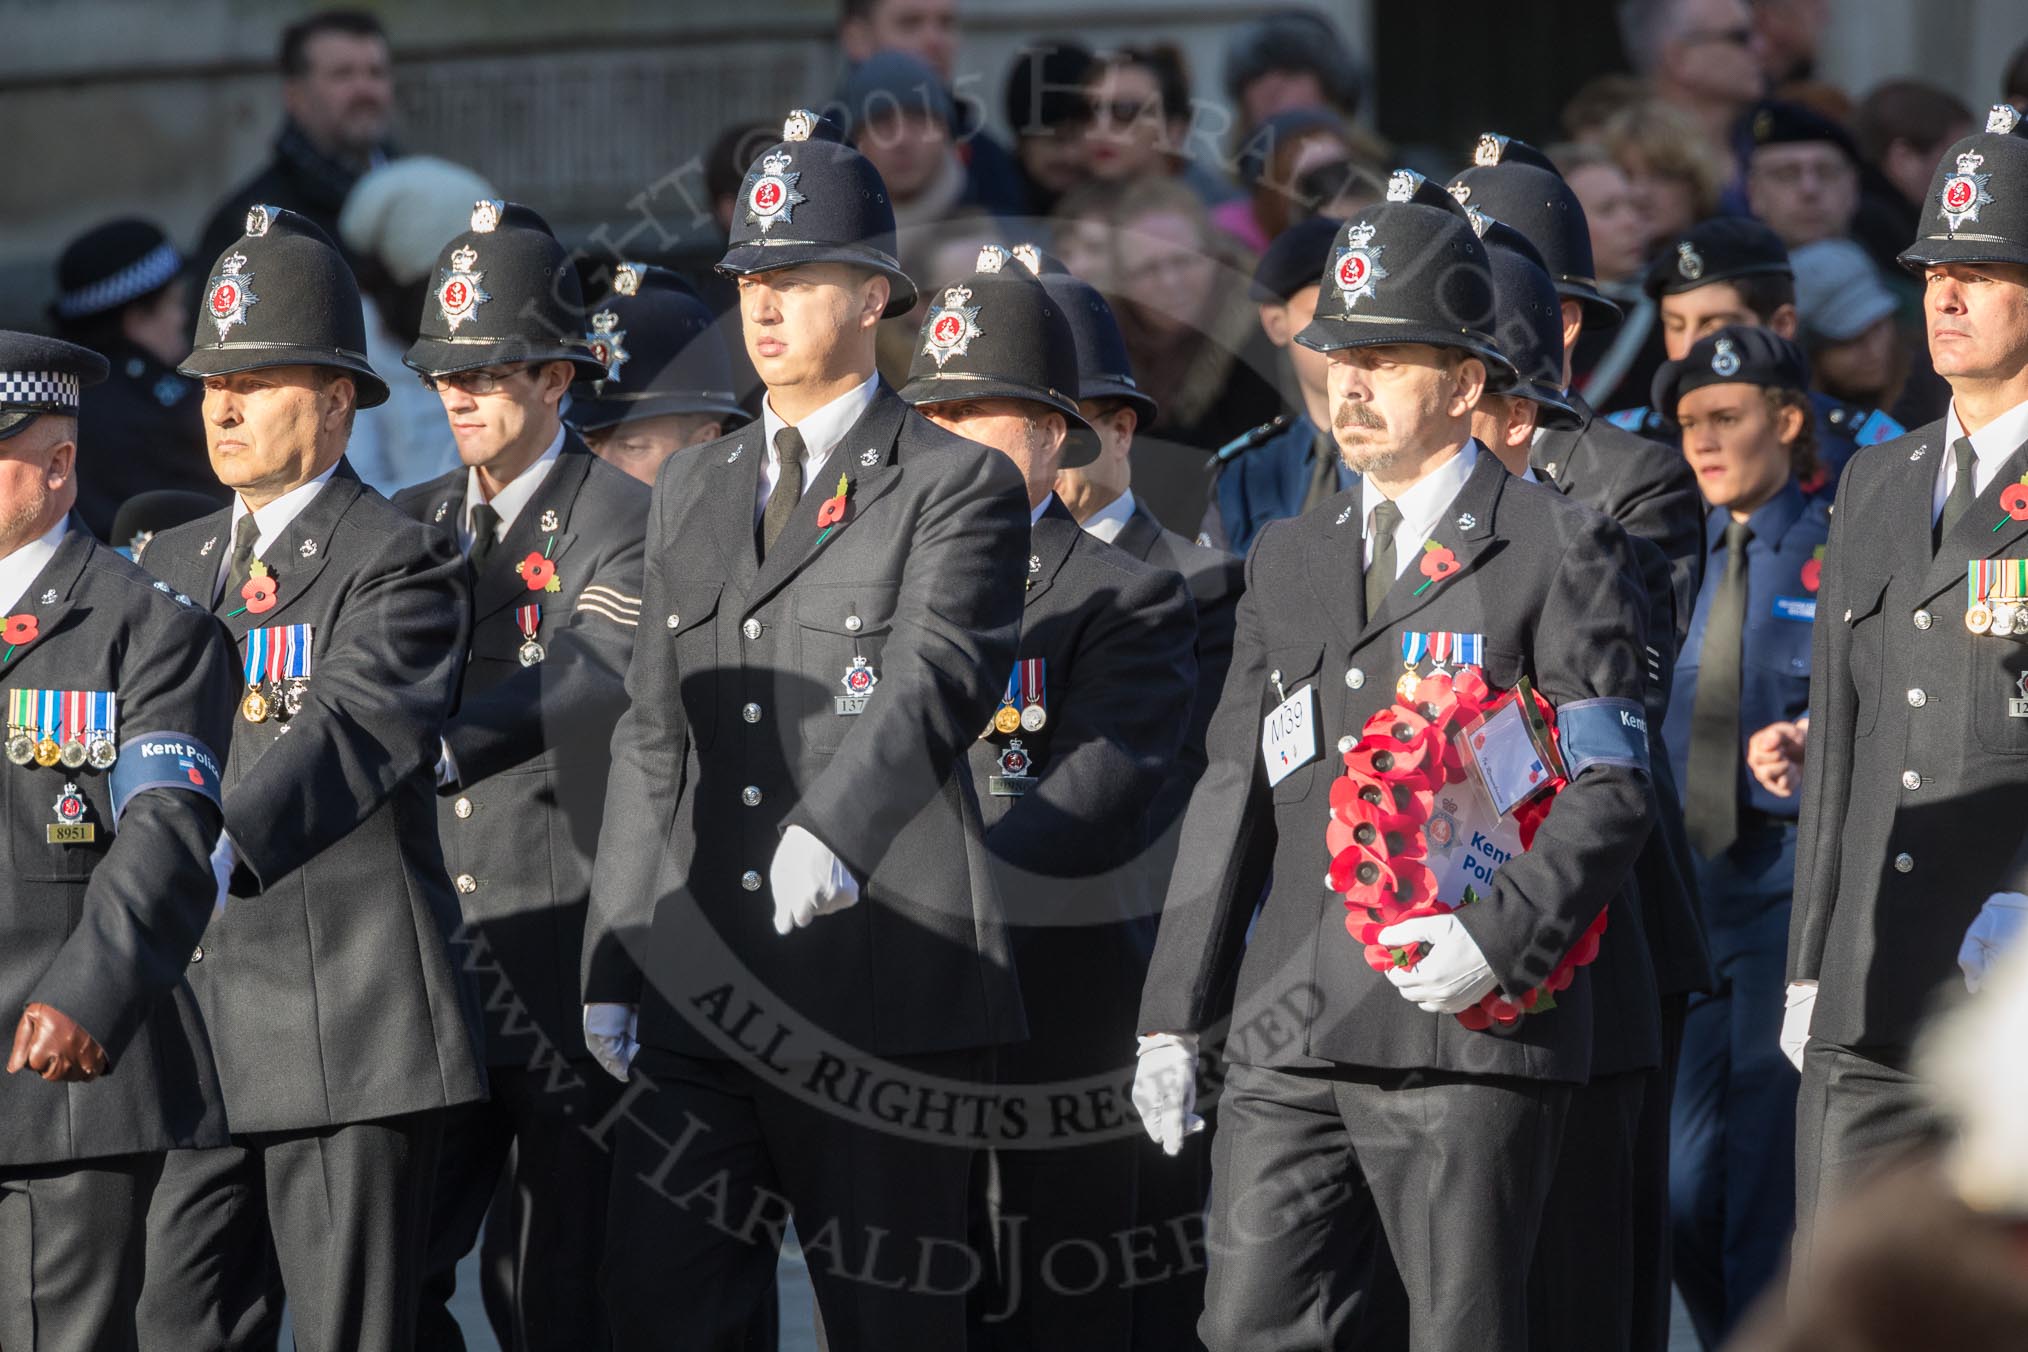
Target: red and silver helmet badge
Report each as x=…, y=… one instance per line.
x=1356, y=267
x=606, y=337
x=951, y=326
x=227, y=296
x=773, y=196
x=459, y=293
x=1964, y=192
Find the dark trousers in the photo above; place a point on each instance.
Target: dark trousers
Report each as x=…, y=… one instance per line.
x=1172, y=1196
x=1854, y=1116
x=335, y=1219
x=524, y=1166
x=1318, y=1181
x=73, y=1240
x=1576, y=1303
x=871, y=1160
x=1732, y=1182
x=1062, y=1222
x=1653, y=1252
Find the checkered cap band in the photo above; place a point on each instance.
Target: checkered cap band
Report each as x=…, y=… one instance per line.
x=49, y=390
x=149, y=272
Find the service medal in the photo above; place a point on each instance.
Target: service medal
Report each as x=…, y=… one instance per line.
x=1007, y=719
x=254, y=708
x=102, y=754
x=73, y=754
x=20, y=748
x=1034, y=694
x=530, y=653
x=1033, y=718
x=1407, y=684
x=1979, y=618
x=47, y=752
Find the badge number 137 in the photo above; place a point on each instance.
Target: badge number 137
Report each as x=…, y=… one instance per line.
x=1288, y=735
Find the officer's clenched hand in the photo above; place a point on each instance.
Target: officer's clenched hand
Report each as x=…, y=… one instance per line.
x=1775, y=755
x=53, y=1045
x=1797, y=1005
x=809, y=880
x=1451, y=975
x=1165, y=1088
x=612, y=1034
x=1996, y=926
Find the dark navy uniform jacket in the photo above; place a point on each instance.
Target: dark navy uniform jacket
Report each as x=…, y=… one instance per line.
x=1782, y=577
x=1264, y=481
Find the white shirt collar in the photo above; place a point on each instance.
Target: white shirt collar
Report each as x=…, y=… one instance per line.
x=822, y=430
x=274, y=518
x=1035, y=512
x=1422, y=504
x=19, y=570
x=1992, y=444
x=1108, y=521
x=511, y=499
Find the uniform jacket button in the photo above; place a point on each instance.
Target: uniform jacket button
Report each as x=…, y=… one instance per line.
x=752, y=629
x=1904, y=863
x=467, y=883
x=853, y=624
x=1917, y=698
x=1346, y=743
x=750, y=880
x=1910, y=780
x=750, y=795
x=1923, y=619
x=673, y=621
x=197, y=953
x=751, y=713
x=1355, y=678
x=463, y=808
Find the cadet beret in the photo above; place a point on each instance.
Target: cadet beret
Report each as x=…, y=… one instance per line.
x=1104, y=370
x=1409, y=269
x=809, y=199
x=1716, y=250
x=1530, y=319
x=1734, y=355
x=112, y=265
x=1977, y=208
x=282, y=296
x=1518, y=186
x=998, y=334
x=661, y=352
x=42, y=375
x=1774, y=122
x=1295, y=259
x=505, y=291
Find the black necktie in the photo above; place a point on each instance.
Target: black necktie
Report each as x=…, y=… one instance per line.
x=1323, y=470
x=788, y=488
x=1380, y=572
x=485, y=534
x=243, y=536
x=1964, y=488
x=1711, y=798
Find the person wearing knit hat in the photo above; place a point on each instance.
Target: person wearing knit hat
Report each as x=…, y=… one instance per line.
x=1436, y=555
x=335, y=1007
x=835, y=592
x=668, y=382
x=1845, y=321
x=120, y=291
x=554, y=538
x=395, y=221
x=1099, y=702
x=1914, y=702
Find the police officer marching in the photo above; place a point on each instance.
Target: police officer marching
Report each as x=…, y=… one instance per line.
x=792, y=895
x=668, y=382
x=1908, y=847
x=553, y=536
x=1741, y=399
x=341, y=1028
x=1341, y=1074
x=119, y=697
x=1093, y=712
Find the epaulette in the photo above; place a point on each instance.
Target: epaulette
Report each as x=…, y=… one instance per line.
x=1249, y=439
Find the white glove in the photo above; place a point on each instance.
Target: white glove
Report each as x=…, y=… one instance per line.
x=611, y=1031
x=223, y=858
x=1797, y=1005
x=809, y=881
x=1991, y=931
x=1165, y=1088
x=1452, y=976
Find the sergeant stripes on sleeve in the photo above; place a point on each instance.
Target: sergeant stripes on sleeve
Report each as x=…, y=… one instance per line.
x=614, y=605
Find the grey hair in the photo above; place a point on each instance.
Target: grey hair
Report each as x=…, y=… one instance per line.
x=1646, y=27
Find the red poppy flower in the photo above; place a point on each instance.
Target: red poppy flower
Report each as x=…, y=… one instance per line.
x=1385, y=759
x=259, y=594
x=20, y=629
x=1813, y=574
x=1476, y=1018
x=1363, y=877
x=2014, y=497
x=1368, y=824
x=1505, y=1012
x=536, y=571
x=832, y=512
x=1469, y=685
x=1439, y=563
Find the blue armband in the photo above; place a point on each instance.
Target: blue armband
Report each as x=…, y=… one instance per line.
x=163, y=760
x=1601, y=732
